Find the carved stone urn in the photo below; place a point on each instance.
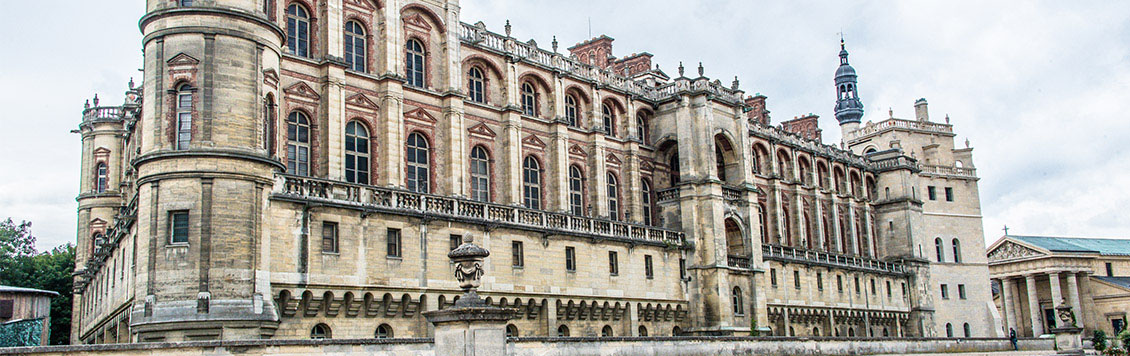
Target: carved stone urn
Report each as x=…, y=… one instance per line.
x=471, y=326
x=1068, y=337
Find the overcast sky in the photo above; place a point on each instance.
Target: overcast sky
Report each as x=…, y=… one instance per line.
x=1041, y=89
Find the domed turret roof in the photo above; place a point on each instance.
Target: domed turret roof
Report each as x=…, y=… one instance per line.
x=845, y=70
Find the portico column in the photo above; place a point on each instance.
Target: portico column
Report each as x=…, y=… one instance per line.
x=1073, y=298
x=1057, y=291
x=1008, y=304
x=1033, y=305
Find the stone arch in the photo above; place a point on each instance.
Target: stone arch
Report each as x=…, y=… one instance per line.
x=726, y=158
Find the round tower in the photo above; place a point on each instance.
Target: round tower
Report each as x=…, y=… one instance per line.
x=204, y=168
x=849, y=109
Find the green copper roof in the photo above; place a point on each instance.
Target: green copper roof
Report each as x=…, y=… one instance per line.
x=1078, y=244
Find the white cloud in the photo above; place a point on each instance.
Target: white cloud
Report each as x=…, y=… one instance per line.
x=1038, y=87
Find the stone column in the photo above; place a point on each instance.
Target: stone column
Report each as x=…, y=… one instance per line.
x=1033, y=305
x=1057, y=292
x=1073, y=298
x=1008, y=304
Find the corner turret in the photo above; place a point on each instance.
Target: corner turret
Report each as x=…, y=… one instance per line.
x=849, y=109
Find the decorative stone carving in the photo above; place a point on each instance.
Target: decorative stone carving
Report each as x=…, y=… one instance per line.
x=1010, y=250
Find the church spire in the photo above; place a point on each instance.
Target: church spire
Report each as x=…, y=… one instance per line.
x=849, y=109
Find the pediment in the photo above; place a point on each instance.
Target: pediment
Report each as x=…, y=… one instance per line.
x=182, y=59
x=97, y=223
x=417, y=20
x=361, y=100
x=577, y=150
x=481, y=129
x=419, y=114
x=612, y=159
x=271, y=78
x=365, y=4
x=1009, y=250
x=101, y=151
x=533, y=141
x=646, y=166
x=303, y=90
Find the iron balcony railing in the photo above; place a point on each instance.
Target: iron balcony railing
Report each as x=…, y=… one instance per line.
x=392, y=200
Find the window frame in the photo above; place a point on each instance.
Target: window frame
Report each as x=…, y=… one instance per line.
x=357, y=135
x=531, y=183
x=608, y=117
x=330, y=242
x=940, y=249
x=476, y=85
x=961, y=292
x=738, y=301
x=173, y=228
x=393, y=248
x=945, y=291
x=572, y=110
x=956, y=246
x=648, y=267
x=384, y=329
x=297, y=127
x=613, y=186
x=417, y=175
x=949, y=194
x=517, y=254
x=183, y=107
x=101, y=177
x=570, y=259
x=298, y=40
x=576, y=190
x=646, y=202
x=528, y=96
x=480, y=174
x=356, y=46
x=613, y=264
x=325, y=333
x=642, y=130
x=416, y=63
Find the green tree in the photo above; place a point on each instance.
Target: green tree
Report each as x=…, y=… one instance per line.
x=21, y=266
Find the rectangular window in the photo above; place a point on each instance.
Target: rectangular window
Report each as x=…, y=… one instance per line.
x=903, y=290
x=840, y=284
x=1109, y=269
x=393, y=239
x=961, y=291
x=945, y=291
x=647, y=270
x=858, y=289
x=796, y=280
x=184, y=120
x=570, y=259
x=932, y=192
x=682, y=269
x=888, y=289
x=773, y=277
x=873, y=291
x=455, y=240
x=949, y=193
x=329, y=237
x=6, y=308
x=613, y=264
x=517, y=258
x=819, y=281
x=178, y=227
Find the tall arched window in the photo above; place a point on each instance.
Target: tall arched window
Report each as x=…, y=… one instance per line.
x=184, y=116
x=809, y=241
x=102, y=178
x=355, y=48
x=645, y=200
x=576, y=191
x=297, y=144
x=761, y=216
x=476, y=83
x=571, y=110
x=531, y=183
x=297, y=30
x=414, y=68
x=968, y=331
x=673, y=164
x=613, y=197
x=940, y=249
x=949, y=330
x=356, y=153
x=529, y=99
x=269, y=124
x=956, y=251
x=642, y=129
x=320, y=331
x=786, y=226
x=719, y=163
x=480, y=174
x=417, y=177
x=609, y=120
x=739, y=306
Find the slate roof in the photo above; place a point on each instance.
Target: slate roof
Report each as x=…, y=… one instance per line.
x=1123, y=282
x=1078, y=244
x=10, y=289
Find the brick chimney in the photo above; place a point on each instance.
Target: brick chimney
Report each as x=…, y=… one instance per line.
x=597, y=51
x=758, y=113
x=805, y=126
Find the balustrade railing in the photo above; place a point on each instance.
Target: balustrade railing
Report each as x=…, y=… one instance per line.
x=102, y=112
x=376, y=198
x=898, y=123
x=732, y=194
x=789, y=254
x=666, y=195
x=949, y=171
x=738, y=261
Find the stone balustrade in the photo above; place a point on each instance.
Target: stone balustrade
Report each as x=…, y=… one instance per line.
x=396, y=201
x=738, y=261
x=893, y=123
x=789, y=254
x=949, y=171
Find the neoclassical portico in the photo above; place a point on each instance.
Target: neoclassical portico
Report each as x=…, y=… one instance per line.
x=1034, y=275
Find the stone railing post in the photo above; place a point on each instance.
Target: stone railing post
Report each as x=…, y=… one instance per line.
x=471, y=327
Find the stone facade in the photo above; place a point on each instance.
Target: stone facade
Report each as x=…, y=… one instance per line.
x=292, y=169
x=1033, y=275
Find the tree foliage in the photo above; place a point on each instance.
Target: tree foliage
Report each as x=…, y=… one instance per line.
x=21, y=266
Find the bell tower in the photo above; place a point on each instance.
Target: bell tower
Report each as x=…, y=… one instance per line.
x=849, y=109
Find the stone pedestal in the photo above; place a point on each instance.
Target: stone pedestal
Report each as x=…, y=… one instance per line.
x=472, y=329
x=1069, y=341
